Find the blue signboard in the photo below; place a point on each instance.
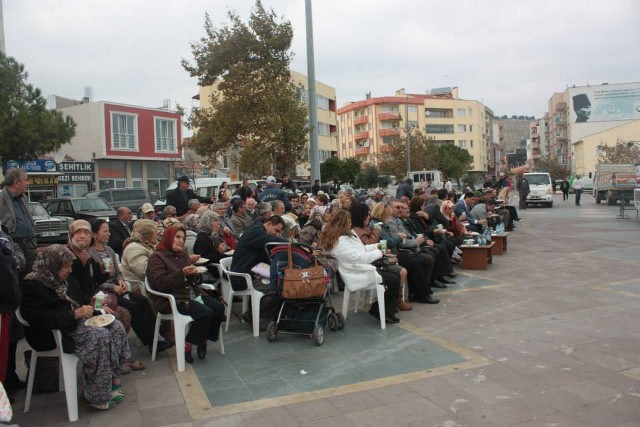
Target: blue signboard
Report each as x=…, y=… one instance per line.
x=32, y=166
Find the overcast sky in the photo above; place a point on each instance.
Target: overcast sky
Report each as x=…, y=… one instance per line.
x=510, y=55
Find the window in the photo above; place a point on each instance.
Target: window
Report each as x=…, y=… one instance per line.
x=439, y=128
x=462, y=128
x=413, y=124
x=388, y=125
x=433, y=113
x=413, y=108
x=324, y=129
x=123, y=132
x=323, y=102
x=470, y=128
x=471, y=143
x=225, y=161
x=324, y=155
x=387, y=139
x=461, y=112
x=303, y=94
x=462, y=143
x=112, y=183
x=166, y=135
x=389, y=108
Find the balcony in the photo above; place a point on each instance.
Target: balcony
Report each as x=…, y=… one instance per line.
x=389, y=132
x=561, y=106
x=561, y=136
x=361, y=135
x=388, y=116
x=385, y=148
x=360, y=120
x=362, y=150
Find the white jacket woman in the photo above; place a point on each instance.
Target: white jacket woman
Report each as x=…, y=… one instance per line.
x=354, y=262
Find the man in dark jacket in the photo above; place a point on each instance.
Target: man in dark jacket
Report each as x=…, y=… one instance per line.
x=120, y=229
x=180, y=196
x=272, y=193
x=405, y=189
x=250, y=250
x=287, y=184
x=523, y=191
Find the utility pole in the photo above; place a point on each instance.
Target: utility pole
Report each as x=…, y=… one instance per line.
x=406, y=119
x=314, y=150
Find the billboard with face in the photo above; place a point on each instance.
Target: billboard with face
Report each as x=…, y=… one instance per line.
x=605, y=103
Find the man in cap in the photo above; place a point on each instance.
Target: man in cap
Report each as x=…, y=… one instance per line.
x=148, y=212
x=179, y=198
x=272, y=193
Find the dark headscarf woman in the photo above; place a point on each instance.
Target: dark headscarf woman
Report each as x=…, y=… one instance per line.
x=208, y=242
x=169, y=270
x=47, y=306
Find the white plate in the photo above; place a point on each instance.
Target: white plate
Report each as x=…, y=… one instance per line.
x=229, y=252
x=201, y=261
x=100, y=321
x=202, y=270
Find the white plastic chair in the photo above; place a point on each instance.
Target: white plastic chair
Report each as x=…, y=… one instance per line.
x=377, y=287
x=68, y=375
x=180, y=326
x=227, y=290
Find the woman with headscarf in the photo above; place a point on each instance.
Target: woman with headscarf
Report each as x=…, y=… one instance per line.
x=170, y=271
x=208, y=243
x=46, y=305
x=136, y=251
x=138, y=306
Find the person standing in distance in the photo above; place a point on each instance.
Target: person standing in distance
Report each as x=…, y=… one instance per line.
x=180, y=196
x=272, y=193
x=577, y=189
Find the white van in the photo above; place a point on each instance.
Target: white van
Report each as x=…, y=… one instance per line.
x=540, y=190
x=421, y=177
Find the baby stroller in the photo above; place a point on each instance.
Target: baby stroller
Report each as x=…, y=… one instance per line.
x=300, y=316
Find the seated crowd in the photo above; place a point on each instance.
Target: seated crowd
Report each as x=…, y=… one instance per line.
x=413, y=240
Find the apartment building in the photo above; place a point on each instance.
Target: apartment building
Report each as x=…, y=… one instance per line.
x=581, y=111
x=129, y=146
x=327, y=125
x=367, y=127
x=538, y=147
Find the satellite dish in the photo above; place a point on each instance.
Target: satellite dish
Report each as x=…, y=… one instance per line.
x=59, y=156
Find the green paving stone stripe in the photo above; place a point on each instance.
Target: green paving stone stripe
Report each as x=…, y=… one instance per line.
x=255, y=369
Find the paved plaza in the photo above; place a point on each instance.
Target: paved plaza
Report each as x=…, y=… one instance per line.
x=549, y=335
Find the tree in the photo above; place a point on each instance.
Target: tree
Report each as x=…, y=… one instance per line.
x=337, y=170
x=622, y=152
x=423, y=152
x=555, y=169
x=453, y=161
x=27, y=129
x=255, y=105
x=368, y=178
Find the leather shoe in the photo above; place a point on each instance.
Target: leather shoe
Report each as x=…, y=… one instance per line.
x=428, y=300
x=446, y=281
x=188, y=357
x=452, y=275
x=404, y=306
x=439, y=285
x=391, y=318
x=202, y=350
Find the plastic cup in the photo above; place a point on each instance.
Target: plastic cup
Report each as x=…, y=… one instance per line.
x=107, y=263
x=383, y=245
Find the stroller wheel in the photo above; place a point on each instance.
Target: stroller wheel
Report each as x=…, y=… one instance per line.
x=341, y=322
x=318, y=334
x=272, y=331
x=332, y=321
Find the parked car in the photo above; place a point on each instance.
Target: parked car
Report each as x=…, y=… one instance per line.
x=49, y=229
x=89, y=208
x=133, y=198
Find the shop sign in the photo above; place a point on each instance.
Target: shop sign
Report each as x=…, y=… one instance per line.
x=43, y=180
x=78, y=167
x=76, y=172
x=32, y=166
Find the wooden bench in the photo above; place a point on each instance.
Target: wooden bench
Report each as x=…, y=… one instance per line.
x=500, y=243
x=477, y=257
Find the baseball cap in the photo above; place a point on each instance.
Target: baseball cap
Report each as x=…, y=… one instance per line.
x=271, y=179
x=146, y=208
